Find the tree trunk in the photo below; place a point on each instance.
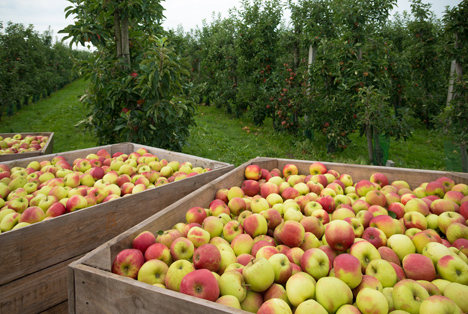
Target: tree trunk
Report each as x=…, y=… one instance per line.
x=378, y=151
x=118, y=38
x=125, y=41
x=370, y=148
x=464, y=158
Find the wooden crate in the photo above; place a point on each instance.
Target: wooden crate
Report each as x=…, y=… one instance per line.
x=33, y=259
x=92, y=288
x=48, y=148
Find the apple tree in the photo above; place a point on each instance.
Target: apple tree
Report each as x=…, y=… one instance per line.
x=135, y=92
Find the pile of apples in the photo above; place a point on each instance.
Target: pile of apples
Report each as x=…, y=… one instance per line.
x=19, y=144
x=283, y=242
x=47, y=189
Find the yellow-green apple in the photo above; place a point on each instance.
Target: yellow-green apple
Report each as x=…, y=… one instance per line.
x=377, y=210
x=218, y=207
x=258, y=205
x=299, y=288
x=315, y=262
x=242, y=244
x=376, y=197
x=75, y=202
x=461, y=187
x=364, y=217
x=358, y=228
x=176, y=272
x=439, y=304
x=128, y=262
x=47, y=201
x=253, y=172
x=447, y=218
x=406, y=197
x=32, y=215
x=227, y=257
x=19, y=182
x=59, y=192
x=417, y=205
x=213, y=225
x=274, y=306
x=371, y=301
x=229, y=300
x=453, y=268
x=400, y=184
x=312, y=224
x=447, y=183
x=332, y=293
x=418, y=267
x=385, y=224
x=435, y=188
x=259, y=274
x=401, y=245
x=290, y=169
x=198, y=236
x=235, y=191
x=347, y=268
x=408, y=296
x=255, y=225
x=112, y=189
x=454, y=196
x=392, y=198
x=346, y=179
x=363, y=187
x=360, y=205
x=200, y=283
x=365, y=252
x=168, y=236
x=252, y=302
x=159, y=251
x=456, y=231
x=126, y=188
x=281, y=266
x=19, y=204
x=225, y=218
x=382, y=270
x=430, y=287
x=458, y=293
x=82, y=165
x=295, y=255
x=232, y=283
x=317, y=168
x=435, y=251
x=153, y=272
x=274, y=199
x=375, y=236
x=232, y=229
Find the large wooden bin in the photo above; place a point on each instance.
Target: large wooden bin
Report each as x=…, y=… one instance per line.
x=47, y=149
x=92, y=288
x=34, y=259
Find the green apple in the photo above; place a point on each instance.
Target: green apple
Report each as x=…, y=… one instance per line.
x=383, y=271
x=9, y=221
x=232, y=283
x=153, y=271
x=439, y=304
x=371, y=301
x=259, y=274
x=458, y=293
x=408, y=296
x=311, y=306
x=453, y=268
x=332, y=293
x=300, y=287
x=401, y=245
x=176, y=272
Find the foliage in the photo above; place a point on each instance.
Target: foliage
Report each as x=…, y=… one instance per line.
x=135, y=74
x=31, y=66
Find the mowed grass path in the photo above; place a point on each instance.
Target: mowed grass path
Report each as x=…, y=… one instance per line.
x=59, y=113
x=222, y=137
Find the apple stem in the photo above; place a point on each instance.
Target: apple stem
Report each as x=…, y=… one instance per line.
x=459, y=250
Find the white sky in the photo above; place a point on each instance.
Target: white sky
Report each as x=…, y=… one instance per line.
x=188, y=13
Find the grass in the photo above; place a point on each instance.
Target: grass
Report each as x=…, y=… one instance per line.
x=58, y=113
x=220, y=136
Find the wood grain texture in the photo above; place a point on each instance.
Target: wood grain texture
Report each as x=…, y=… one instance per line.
x=93, y=289
x=36, y=292
x=102, y=292
x=61, y=308
x=35, y=247
x=46, y=150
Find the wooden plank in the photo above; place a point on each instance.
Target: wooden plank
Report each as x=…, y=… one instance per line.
x=61, y=308
x=94, y=289
x=102, y=292
x=24, y=252
x=36, y=292
x=47, y=149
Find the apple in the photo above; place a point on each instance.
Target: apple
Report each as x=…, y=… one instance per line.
x=365, y=252
x=253, y=172
x=379, y=178
x=447, y=218
x=274, y=306
x=251, y=187
x=300, y=287
x=363, y=187
x=289, y=169
x=332, y=293
x=383, y=271
x=259, y=274
x=339, y=235
x=128, y=263
x=347, y=268
x=255, y=225
x=376, y=197
x=408, y=296
x=259, y=205
x=153, y=272
x=74, y=203
x=418, y=267
x=176, y=272
x=453, y=268
x=371, y=301
x=317, y=168
x=389, y=255
x=252, y=302
x=458, y=293
x=401, y=245
x=242, y=244
x=282, y=267
x=435, y=251
x=233, y=283
x=143, y=240
x=200, y=283
x=32, y=215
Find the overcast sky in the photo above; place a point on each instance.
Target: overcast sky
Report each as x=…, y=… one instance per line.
x=188, y=13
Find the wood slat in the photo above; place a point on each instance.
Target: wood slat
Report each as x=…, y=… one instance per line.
x=36, y=292
x=93, y=289
x=46, y=150
x=61, y=308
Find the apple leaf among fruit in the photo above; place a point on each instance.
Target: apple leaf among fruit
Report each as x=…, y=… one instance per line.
x=320, y=242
